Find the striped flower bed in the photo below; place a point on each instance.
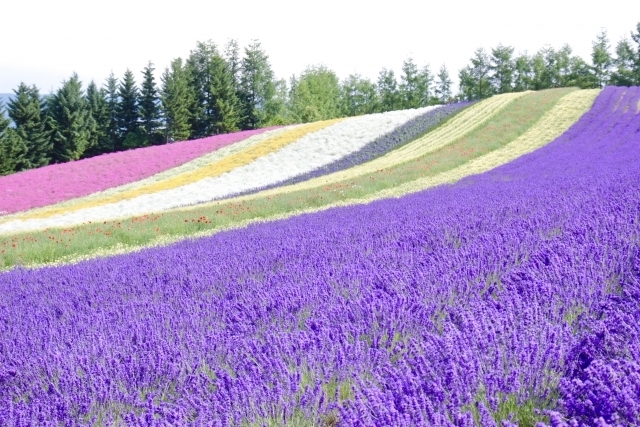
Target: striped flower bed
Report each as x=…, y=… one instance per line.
x=55, y=183
x=331, y=141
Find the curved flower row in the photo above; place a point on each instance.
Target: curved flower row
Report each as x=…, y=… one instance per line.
x=460, y=125
x=308, y=152
x=382, y=145
x=55, y=183
x=462, y=305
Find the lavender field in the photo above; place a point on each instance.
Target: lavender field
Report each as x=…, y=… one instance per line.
x=510, y=298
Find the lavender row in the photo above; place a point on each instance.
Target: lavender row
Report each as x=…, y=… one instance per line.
x=380, y=146
x=450, y=307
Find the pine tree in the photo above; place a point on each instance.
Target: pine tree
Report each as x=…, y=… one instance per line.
x=127, y=114
x=27, y=114
x=224, y=108
x=113, y=135
x=388, y=93
x=198, y=67
x=98, y=106
x=12, y=149
x=69, y=121
x=176, y=98
x=443, y=85
x=150, y=108
x=601, y=59
x=257, y=87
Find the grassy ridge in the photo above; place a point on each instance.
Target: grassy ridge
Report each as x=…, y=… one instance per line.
x=114, y=236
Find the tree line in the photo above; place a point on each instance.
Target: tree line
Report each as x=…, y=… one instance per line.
x=217, y=91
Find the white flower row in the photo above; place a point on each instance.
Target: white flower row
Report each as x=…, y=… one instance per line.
x=308, y=153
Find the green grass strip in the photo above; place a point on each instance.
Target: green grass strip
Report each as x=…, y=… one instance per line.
x=89, y=240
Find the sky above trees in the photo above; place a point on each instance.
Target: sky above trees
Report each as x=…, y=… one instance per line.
x=51, y=39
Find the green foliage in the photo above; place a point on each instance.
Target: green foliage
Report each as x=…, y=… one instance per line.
x=523, y=73
x=601, y=59
x=27, y=114
x=11, y=147
x=503, y=68
x=415, y=85
x=176, y=96
x=475, y=79
x=257, y=87
x=358, y=96
x=388, y=91
x=100, y=141
x=127, y=112
x=111, y=93
x=636, y=62
x=315, y=95
x=198, y=67
x=624, y=63
x=149, y=104
x=70, y=122
x=225, y=105
x=443, y=86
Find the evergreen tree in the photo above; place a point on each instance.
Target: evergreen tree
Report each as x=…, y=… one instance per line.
x=502, y=69
x=69, y=121
x=315, y=95
x=358, y=96
x=475, y=79
x=176, y=97
x=232, y=56
x=12, y=149
x=443, y=85
x=150, y=108
x=388, y=93
x=624, y=63
x=257, y=87
x=127, y=114
x=113, y=134
x=198, y=68
x=27, y=114
x=601, y=59
x=99, y=108
x=224, y=102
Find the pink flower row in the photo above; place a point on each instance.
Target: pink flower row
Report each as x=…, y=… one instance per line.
x=60, y=182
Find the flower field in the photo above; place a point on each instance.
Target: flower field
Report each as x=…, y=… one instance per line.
x=56, y=183
x=469, y=265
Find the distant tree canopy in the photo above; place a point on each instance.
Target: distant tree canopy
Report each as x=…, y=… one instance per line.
x=216, y=91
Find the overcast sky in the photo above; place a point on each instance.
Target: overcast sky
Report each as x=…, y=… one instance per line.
x=45, y=41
